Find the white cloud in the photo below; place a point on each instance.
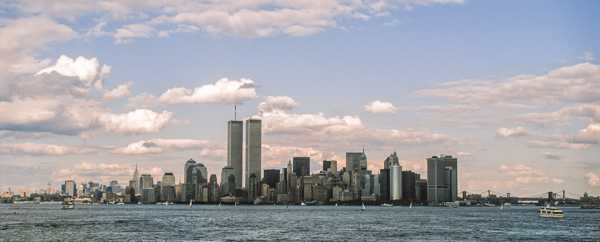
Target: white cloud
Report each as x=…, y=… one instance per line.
x=556, y=145
x=87, y=70
x=551, y=156
x=277, y=103
x=19, y=38
x=138, y=121
x=168, y=145
x=588, y=56
x=593, y=179
x=134, y=31
x=380, y=107
x=340, y=132
x=463, y=153
x=521, y=169
x=119, y=92
x=278, y=156
x=234, y=18
x=591, y=134
x=503, y=132
x=223, y=91
x=42, y=149
x=524, y=174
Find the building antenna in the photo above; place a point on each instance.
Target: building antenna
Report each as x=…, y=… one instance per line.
x=235, y=112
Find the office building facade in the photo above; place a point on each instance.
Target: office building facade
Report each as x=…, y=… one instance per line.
x=442, y=179
x=234, y=149
x=253, y=148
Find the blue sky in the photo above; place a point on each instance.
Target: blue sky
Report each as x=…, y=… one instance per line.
x=511, y=88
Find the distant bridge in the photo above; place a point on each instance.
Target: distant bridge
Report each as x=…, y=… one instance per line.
x=563, y=197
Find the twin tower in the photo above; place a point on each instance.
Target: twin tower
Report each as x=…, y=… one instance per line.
x=253, y=149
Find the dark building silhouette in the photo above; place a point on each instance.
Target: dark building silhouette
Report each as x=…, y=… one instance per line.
x=326, y=165
x=299, y=163
x=409, y=180
x=271, y=177
x=384, y=184
x=421, y=190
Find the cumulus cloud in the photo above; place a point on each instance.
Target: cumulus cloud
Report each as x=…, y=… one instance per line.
x=223, y=91
x=591, y=134
x=87, y=70
x=593, y=179
x=119, y=92
x=19, y=38
x=503, y=132
x=169, y=145
x=42, y=149
x=138, y=121
x=380, y=107
x=272, y=103
x=551, y=156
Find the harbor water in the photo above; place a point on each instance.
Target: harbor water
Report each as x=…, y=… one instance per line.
x=47, y=222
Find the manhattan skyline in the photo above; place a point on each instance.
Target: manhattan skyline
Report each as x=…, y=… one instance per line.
x=511, y=89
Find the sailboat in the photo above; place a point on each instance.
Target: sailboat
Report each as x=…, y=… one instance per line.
x=502, y=207
x=235, y=204
x=191, y=203
x=410, y=205
x=363, y=208
x=336, y=204
x=219, y=204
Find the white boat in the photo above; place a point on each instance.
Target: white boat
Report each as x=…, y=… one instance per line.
x=219, y=204
x=410, y=205
x=67, y=205
x=502, y=207
x=550, y=212
x=302, y=204
x=336, y=204
x=235, y=204
x=191, y=203
x=363, y=207
x=386, y=205
x=121, y=203
x=507, y=205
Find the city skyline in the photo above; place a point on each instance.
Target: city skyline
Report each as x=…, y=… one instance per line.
x=511, y=89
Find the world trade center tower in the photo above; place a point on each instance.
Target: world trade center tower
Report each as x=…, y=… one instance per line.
x=234, y=149
x=253, y=149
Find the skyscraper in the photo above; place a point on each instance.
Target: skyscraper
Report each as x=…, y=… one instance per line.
x=136, y=178
x=299, y=163
x=392, y=160
x=70, y=188
x=442, y=179
x=234, y=149
x=353, y=161
x=188, y=170
x=395, y=182
x=271, y=177
x=253, y=148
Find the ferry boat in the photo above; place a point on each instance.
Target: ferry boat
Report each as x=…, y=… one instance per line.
x=386, y=205
x=551, y=212
x=67, y=205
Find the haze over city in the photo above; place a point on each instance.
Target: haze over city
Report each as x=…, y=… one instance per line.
x=89, y=89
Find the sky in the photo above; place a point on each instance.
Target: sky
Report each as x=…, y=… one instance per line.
x=91, y=88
